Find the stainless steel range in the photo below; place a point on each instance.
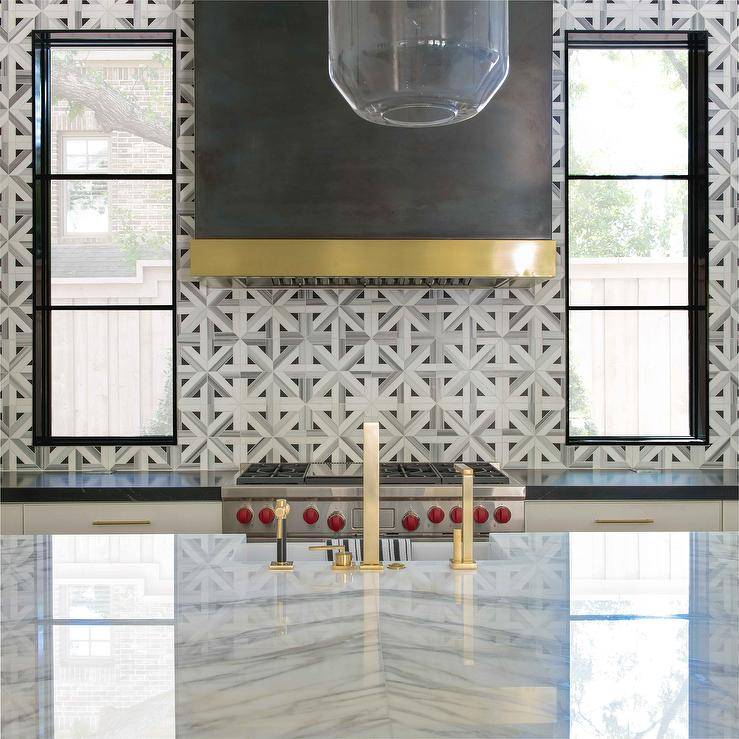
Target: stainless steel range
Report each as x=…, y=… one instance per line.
x=419, y=500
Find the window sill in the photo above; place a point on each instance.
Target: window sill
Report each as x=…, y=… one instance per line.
x=636, y=441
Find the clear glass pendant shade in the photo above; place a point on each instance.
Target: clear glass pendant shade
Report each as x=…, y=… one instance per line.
x=417, y=62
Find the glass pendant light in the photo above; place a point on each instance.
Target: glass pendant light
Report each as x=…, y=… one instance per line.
x=417, y=62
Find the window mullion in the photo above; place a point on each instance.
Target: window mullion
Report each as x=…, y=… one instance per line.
x=630, y=306
x=628, y=177
x=84, y=307
x=107, y=176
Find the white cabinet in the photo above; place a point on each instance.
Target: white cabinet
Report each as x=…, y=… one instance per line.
x=673, y=515
x=731, y=515
x=11, y=518
x=191, y=517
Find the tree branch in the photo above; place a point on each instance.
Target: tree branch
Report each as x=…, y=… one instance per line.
x=678, y=66
x=113, y=111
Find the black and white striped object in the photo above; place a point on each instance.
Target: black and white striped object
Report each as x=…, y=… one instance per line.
x=391, y=549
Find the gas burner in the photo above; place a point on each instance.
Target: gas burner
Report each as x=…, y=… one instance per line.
x=485, y=473
x=268, y=473
x=334, y=473
x=405, y=473
x=391, y=473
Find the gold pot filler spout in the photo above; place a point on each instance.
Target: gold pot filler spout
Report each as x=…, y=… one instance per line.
x=463, y=557
x=371, y=498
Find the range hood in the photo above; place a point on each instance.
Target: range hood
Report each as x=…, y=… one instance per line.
x=295, y=190
x=402, y=263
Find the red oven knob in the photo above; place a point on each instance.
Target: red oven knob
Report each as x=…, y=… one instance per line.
x=411, y=521
x=456, y=514
x=266, y=516
x=336, y=521
x=481, y=514
x=244, y=515
x=502, y=514
x=436, y=514
x=310, y=515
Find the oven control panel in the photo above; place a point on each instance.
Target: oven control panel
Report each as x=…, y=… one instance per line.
x=330, y=519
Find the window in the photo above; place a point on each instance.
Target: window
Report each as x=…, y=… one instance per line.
x=104, y=231
x=85, y=154
x=88, y=641
x=636, y=163
x=85, y=207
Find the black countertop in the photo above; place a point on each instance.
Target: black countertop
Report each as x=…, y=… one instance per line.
x=49, y=487
x=65, y=487
x=629, y=484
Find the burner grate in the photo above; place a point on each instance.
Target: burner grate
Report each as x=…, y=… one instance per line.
x=405, y=473
x=268, y=473
x=334, y=473
x=485, y=473
x=391, y=473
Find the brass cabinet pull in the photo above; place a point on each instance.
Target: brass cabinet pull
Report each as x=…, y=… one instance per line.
x=121, y=523
x=625, y=520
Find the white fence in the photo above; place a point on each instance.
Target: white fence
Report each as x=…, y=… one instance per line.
x=111, y=370
x=632, y=365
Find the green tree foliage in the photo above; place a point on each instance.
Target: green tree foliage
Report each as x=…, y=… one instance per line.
x=581, y=422
x=161, y=422
x=608, y=219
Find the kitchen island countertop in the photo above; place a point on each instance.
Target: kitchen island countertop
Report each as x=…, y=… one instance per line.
x=555, y=635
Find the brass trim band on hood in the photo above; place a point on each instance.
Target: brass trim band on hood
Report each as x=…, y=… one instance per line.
x=471, y=260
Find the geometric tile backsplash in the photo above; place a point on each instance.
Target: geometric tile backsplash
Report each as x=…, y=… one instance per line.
x=292, y=374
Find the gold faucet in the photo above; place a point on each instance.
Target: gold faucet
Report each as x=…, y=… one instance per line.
x=463, y=556
x=342, y=560
x=281, y=563
x=371, y=498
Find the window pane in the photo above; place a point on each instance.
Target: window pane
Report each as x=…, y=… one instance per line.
x=111, y=242
x=86, y=208
x=628, y=373
x=111, y=373
x=122, y=93
x=75, y=147
x=628, y=242
x=85, y=154
x=628, y=111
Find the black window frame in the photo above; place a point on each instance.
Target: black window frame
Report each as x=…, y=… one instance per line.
x=696, y=43
x=42, y=177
